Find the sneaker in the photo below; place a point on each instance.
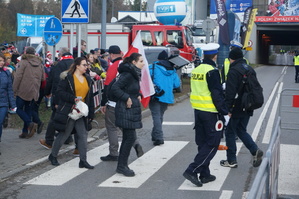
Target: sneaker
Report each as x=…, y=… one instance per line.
x=76, y=152
x=31, y=129
x=207, y=179
x=158, y=142
x=23, y=135
x=192, y=178
x=40, y=127
x=257, y=158
x=109, y=158
x=232, y=164
x=44, y=144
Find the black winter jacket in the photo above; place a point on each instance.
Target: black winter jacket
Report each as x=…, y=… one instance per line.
x=232, y=94
x=127, y=86
x=67, y=95
x=54, y=77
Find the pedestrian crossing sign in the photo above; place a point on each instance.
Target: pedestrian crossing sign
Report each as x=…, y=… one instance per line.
x=75, y=11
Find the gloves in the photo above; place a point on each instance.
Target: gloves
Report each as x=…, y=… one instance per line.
x=226, y=117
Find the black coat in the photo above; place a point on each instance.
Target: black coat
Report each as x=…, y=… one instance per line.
x=67, y=95
x=54, y=77
x=127, y=86
x=234, y=81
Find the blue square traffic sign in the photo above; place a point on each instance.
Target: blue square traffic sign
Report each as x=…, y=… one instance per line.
x=75, y=11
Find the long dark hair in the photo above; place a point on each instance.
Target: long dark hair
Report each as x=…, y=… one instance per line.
x=77, y=62
x=132, y=57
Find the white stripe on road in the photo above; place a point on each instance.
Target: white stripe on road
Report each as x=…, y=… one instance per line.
x=288, y=182
x=269, y=128
x=69, y=170
x=178, y=123
x=146, y=166
x=61, y=151
x=263, y=114
x=226, y=194
x=220, y=172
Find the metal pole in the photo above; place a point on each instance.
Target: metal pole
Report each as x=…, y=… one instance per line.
x=72, y=39
x=79, y=41
x=103, y=26
x=140, y=7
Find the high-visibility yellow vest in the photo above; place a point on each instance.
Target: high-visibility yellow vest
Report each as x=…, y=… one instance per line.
x=226, y=66
x=200, y=96
x=296, y=59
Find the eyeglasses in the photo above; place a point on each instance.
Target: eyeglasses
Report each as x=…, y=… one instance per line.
x=85, y=65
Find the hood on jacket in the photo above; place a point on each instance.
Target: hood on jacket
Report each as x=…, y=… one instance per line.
x=63, y=74
x=165, y=67
x=34, y=60
x=130, y=68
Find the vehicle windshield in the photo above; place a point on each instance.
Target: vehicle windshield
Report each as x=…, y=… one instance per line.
x=189, y=38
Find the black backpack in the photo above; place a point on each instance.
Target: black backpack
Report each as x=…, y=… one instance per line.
x=110, y=94
x=252, y=97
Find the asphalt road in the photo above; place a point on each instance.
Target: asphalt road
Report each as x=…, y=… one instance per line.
x=159, y=171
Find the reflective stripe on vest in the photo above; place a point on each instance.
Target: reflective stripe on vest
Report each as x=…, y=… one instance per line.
x=200, y=96
x=296, y=59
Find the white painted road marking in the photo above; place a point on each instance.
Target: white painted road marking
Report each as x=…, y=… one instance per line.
x=270, y=124
x=288, y=182
x=69, y=170
x=146, y=166
x=220, y=172
x=226, y=194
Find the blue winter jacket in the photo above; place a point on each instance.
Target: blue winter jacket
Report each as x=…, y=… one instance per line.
x=166, y=78
x=6, y=93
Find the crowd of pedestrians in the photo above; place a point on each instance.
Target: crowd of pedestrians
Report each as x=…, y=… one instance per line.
x=68, y=85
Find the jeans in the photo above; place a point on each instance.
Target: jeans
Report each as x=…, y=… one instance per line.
x=157, y=109
x=35, y=108
x=237, y=126
x=24, y=112
x=3, y=112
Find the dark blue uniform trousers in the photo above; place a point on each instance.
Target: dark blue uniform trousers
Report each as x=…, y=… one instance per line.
x=207, y=139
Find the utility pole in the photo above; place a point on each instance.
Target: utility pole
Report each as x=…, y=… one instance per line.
x=103, y=24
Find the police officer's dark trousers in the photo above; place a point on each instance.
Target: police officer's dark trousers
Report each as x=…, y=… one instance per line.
x=207, y=139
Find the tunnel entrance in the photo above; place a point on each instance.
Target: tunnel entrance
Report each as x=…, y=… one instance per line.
x=277, y=43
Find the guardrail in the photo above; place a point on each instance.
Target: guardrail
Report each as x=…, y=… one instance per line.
x=265, y=184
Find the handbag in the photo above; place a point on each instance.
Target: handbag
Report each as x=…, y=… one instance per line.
x=79, y=110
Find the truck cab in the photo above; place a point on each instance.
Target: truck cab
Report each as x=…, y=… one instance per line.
x=167, y=35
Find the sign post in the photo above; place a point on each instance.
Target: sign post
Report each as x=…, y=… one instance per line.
x=208, y=25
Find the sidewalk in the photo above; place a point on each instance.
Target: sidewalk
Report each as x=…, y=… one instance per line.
x=17, y=154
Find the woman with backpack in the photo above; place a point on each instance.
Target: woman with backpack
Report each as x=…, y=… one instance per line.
x=128, y=107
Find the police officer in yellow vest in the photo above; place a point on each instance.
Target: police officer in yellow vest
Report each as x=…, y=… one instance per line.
x=207, y=100
x=296, y=63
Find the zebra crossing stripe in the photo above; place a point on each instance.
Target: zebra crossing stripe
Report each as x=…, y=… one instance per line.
x=146, y=166
x=220, y=172
x=288, y=182
x=69, y=170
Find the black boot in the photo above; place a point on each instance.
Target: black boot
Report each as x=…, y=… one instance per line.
x=138, y=149
x=125, y=170
x=53, y=160
x=84, y=164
